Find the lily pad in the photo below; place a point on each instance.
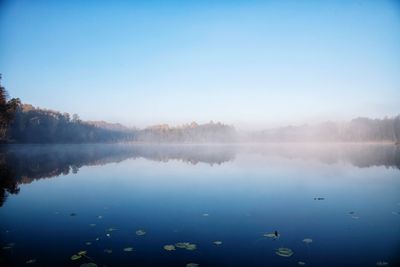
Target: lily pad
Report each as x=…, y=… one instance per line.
x=108, y=251
x=272, y=235
x=186, y=245
x=284, y=252
x=382, y=263
x=75, y=257
x=128, y=249
x=9, y=246
x=30, y=261
x=140, y=232
x=191, y=247
x=182, y=244
x=269, y=235
x=192, y=265
x=307, y=240
x=90, y=264
x=82, y=252
x=169, y=247
x=217, y=243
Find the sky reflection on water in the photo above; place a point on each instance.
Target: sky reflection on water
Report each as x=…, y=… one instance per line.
x=245, y=191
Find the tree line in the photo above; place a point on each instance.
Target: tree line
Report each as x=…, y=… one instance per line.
x=356, y=130
x=23, y=123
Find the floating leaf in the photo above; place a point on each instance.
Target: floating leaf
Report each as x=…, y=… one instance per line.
x=192, y=265
x=90, y=264
x=272, y=235
x=301, y=263
x=307, y=240
x=109, y=251
x=140, y=232
x=169, y=247
x=128, y=249
x=182, y=244
x=9, y=246
x=382, y=263
x=191, y=247
x=30, y=261
x=217, y=243
x=284, y=252
x=186, y=245
x=75, y=257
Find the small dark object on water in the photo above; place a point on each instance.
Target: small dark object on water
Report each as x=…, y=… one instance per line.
x=276, y=233
x=351, y=212
x=319, y=198
x=72, y=214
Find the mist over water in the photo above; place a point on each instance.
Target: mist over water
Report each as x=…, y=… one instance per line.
x=199, y=133
x=343, y=197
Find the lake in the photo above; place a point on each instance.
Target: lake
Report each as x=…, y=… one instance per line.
x=237, y=205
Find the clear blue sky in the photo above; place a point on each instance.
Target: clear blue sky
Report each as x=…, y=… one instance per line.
x=248, y=63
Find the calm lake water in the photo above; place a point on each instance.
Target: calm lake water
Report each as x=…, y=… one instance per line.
x=57, y=200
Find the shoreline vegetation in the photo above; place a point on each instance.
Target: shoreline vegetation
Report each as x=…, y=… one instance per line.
x=25, y=124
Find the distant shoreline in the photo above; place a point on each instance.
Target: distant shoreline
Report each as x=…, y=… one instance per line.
x=214, y=143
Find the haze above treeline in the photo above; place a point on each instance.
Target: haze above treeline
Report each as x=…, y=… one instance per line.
x=24, y=123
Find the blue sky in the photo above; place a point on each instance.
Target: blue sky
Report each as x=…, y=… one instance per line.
x=248, y=63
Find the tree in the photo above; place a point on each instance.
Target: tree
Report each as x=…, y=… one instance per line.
x=8, y=109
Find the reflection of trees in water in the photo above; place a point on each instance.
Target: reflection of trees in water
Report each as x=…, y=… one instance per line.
x=21, y=164
x=7, y=181
x=359, y=155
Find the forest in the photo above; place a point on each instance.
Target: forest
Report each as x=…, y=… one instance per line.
x=357, y=130
x=24, y=123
